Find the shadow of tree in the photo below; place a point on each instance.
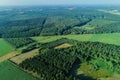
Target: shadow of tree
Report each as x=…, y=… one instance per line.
x=84, y=77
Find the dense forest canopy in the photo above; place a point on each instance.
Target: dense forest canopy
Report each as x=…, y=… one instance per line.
x=55, y=20
x=59, y=64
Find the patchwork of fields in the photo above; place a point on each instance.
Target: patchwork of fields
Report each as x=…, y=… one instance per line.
x=11, y=69
x=60, y=43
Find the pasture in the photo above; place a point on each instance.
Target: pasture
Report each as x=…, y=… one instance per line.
x=5, y=47
x=9, y=71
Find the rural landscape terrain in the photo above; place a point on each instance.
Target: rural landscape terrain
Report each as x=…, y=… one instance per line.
x=60, y=43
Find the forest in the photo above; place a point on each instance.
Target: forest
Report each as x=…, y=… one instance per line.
x=102, y=57
x=60, y=43
x=19, y=42
x=59, y=21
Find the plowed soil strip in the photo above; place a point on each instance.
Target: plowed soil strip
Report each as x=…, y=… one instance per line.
x=8, y=56
x=18, y=59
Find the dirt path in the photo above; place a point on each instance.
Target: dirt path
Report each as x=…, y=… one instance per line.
x=8, y=56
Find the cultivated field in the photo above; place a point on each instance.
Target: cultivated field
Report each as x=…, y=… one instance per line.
x=18, y=59
x=8, y=71
x=8, y=56
x=5, y=47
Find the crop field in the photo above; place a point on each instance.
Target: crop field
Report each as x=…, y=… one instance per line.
x=18, y=59
x=8, y=71
x=5, y=47
x=8, y=56
x=110, y=38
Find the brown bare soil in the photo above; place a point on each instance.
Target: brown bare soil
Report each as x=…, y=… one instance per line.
x=65, y=45
x=8, y=56
x=18, y=59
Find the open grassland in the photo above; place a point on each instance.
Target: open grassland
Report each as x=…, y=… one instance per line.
x=8, y=71
x=5, y=47
x=111, y=38
x=44, y=39
x=96, y=23
x=88, y=70
x=113, y=77
x=18, y=59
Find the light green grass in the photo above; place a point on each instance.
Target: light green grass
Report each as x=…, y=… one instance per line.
x=111, y=38
x=5, y=47
x=96, y=23
x=8, y=71
x=88, y=70
x=45, y=39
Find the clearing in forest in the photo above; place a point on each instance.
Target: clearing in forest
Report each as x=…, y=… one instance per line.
x=108, y=38
x=65, y=45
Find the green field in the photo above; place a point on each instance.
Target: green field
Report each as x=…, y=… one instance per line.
x=5, y=47
x=111, y=38
x=97, y=23
x=8, y=71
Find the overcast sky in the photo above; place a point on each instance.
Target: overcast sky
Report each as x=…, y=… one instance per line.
x=57, y=2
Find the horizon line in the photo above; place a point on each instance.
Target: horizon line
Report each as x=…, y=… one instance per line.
x=63, y=5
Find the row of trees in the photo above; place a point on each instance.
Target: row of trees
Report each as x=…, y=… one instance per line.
x=49, y=45
x=19, y=42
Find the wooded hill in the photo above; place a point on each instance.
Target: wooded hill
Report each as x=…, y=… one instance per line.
x=49, y=21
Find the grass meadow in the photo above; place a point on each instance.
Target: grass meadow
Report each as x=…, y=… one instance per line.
x=110, y=38
x=5, y=47
x=9, y=71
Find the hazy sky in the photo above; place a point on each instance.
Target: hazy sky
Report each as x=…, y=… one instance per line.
x=56, y=2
